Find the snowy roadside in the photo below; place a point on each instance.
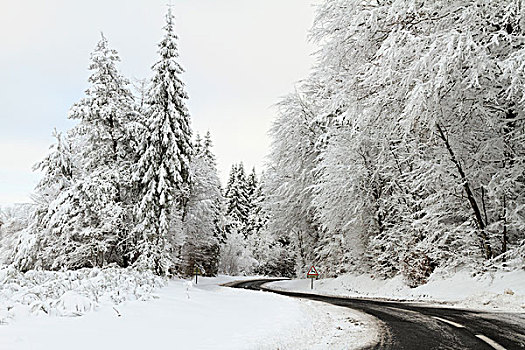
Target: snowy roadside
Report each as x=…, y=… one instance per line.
x=126, y=309
x=500, y=291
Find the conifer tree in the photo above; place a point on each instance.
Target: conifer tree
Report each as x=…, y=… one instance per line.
x=39, y=245
x=219, y=200
x=247, y=244
x=237, y=198
x=252, y=186
x=84, y=210
x=163, y=172
x=203, y=221
x=103, y=141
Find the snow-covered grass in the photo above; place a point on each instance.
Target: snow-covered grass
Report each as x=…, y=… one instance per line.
x=503, y=291
x=125, y=309
x=70, y=293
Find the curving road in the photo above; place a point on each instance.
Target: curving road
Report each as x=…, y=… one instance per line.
x=411, y=326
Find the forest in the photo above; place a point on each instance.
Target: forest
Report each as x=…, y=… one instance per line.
x=401, y=153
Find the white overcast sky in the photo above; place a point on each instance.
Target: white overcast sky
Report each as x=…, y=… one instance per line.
x=240, y=57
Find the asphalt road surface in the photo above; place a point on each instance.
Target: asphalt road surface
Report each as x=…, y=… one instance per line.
x=412, y=326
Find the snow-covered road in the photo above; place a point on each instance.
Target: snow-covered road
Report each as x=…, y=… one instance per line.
x=203, y=316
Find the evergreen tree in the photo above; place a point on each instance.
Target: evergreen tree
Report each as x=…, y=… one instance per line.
x=163, y=171
x=252, y=186
x=84, y=211
x=257, y=216
x=237, y=199
x=207, y=145
x=248, y=242
x=39, y=245
x=219, y=201
x=103, y=141
x=203, y=221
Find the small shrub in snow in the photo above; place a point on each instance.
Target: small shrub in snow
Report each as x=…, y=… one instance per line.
x=417, y=268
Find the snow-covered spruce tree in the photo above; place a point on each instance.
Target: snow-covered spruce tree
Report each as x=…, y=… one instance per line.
x=203, y=220
x=163, y=170
x=256, y=216
x=45, y=238
x=237, y=199
x=104, y=152
x=252, y=186
x=257, y=240
x=83, y=202
x=245, y=217
x=219, y=219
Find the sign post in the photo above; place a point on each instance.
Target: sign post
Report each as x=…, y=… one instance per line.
x=197, y=272
x=312, y=273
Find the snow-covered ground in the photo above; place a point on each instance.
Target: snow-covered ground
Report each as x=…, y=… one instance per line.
x=122, y=309
x=504, y=291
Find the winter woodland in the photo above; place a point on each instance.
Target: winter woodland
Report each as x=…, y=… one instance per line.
x=404, y=149
x=401, y=153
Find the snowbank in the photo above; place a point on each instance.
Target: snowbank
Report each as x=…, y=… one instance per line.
x=503, y=291
x=70, y=293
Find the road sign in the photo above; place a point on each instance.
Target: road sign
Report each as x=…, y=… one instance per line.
x=197, y=272
x=312, y=273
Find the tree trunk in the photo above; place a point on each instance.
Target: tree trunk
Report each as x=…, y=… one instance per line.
x=470, y=195
x=504, y=244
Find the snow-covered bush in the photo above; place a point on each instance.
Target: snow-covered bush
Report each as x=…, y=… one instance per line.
x=416, y=268
x=71, y=293
x=13, y=220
